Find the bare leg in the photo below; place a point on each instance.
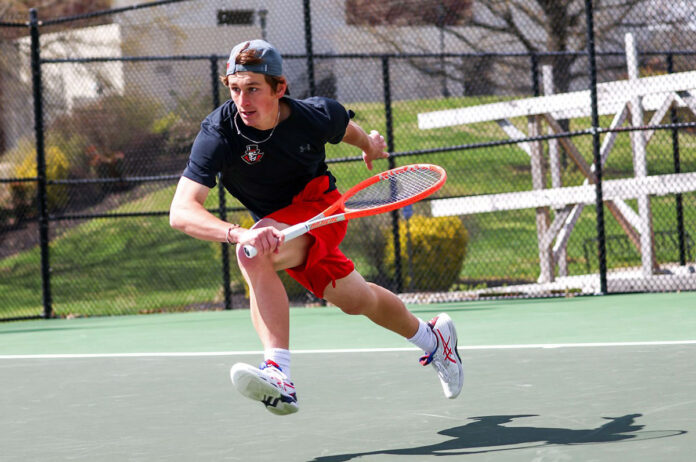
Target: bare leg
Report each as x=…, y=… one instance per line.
x=354, y=295
x=268, y=299
x=268, y=305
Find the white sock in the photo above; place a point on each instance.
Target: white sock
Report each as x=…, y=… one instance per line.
x=425, y=337
x=280, y=356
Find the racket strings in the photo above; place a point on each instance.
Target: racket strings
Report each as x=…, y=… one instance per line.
x=398, y=187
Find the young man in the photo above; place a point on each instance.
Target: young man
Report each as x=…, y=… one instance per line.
x=268, y=151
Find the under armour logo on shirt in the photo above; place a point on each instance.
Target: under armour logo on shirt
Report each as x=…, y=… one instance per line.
x=305, y=148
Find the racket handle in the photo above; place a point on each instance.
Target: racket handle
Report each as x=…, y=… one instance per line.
x=250, y=251
x=290, y=233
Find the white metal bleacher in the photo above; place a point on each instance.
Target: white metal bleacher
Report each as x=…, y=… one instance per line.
x=631, y=97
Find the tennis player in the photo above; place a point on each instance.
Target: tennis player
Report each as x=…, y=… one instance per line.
x=268, y=150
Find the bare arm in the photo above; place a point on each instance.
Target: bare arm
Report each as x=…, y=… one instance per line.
x=373, y=145
x=188, y=214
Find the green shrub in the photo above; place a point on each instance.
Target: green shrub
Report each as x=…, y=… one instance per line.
x=5, y=205
x=24, y=193
x=180, y=126
x=437, y=248
x=164, y=124
x=117, y=133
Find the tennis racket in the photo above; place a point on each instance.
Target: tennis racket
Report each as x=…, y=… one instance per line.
x=380, y=193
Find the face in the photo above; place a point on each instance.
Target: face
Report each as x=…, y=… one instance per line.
x=255, y=99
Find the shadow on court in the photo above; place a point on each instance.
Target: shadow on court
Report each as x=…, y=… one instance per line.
x=489, y=434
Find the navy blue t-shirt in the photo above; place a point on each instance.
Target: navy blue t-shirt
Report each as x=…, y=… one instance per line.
x=266, y=176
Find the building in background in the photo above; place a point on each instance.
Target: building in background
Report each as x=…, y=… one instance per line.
x=205, y=28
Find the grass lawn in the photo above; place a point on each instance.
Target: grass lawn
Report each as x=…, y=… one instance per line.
x=131, y=265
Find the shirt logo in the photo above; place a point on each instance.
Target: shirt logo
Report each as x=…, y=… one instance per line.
x=252, y=154
x=306, y=148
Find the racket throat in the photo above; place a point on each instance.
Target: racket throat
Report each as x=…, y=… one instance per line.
x=320, y=220
x=296, y=230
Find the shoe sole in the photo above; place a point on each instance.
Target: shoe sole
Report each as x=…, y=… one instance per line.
x=248, y=381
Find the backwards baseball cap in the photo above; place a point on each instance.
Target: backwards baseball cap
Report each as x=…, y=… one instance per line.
x=271, y=62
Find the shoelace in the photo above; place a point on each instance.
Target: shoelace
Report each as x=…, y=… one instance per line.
x=276, y=373
x=446, y=351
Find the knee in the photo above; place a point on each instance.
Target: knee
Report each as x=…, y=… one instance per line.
x=242, y=260
x=252, y=265
x=353, y=308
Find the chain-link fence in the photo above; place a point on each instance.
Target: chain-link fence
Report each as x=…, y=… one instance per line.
x=538, y=115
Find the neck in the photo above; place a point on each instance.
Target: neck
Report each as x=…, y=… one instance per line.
x=284, y=110
x=239, y=132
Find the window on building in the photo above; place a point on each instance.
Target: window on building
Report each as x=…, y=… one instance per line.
x=235, y=17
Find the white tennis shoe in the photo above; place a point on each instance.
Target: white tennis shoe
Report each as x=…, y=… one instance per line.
x=267, y=384
x=445, y=358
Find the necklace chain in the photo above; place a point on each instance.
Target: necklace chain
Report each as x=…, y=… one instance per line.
x=239, y=132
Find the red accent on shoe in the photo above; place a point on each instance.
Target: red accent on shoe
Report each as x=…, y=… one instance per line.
x=445, y=347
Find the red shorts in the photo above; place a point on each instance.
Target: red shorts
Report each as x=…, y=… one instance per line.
x=325, y=263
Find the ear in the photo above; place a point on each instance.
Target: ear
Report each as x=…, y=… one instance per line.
x=281, y=88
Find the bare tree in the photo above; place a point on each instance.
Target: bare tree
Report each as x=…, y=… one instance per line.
x=17, y=12
x=553, y=26
x=521, y=26
x=407, y=12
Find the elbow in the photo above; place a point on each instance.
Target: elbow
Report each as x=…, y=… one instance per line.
x=175, y=220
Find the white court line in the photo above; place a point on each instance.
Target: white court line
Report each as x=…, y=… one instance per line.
x=346, y=350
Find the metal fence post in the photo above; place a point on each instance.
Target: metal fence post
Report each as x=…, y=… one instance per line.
x=535, y=74
x=599, y=201
x=222, y=203
x=308, y=47
x=674, y=118
x=40, y=163
x=389, y=120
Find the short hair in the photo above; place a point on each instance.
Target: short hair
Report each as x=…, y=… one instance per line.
x=249, y=56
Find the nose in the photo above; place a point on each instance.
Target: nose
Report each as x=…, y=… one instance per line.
x=244, y=99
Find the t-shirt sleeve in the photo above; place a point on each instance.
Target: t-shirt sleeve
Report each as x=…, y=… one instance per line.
x=206, y=157
x=339, y=120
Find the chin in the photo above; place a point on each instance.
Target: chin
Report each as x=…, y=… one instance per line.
x=248, y=121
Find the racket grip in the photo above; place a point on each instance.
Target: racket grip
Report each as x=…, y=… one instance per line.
x=290, y=233
x=250, y=251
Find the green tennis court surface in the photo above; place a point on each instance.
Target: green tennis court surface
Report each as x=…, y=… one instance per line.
x=590, y=378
